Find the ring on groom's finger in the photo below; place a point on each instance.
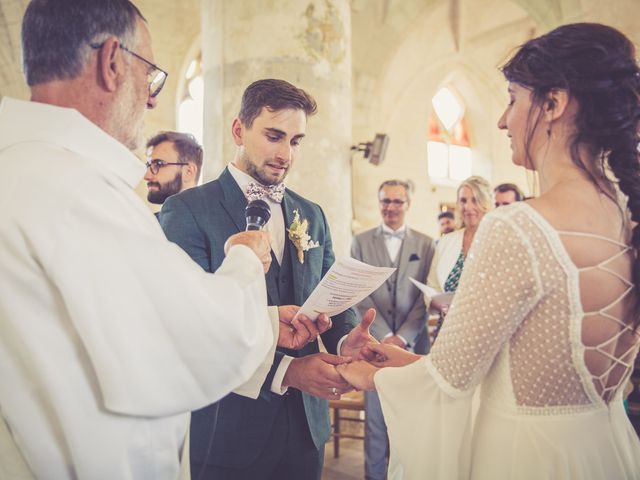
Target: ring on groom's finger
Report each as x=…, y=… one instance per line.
x=334, y=390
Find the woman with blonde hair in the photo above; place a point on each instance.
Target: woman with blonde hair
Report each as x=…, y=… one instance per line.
x=547, y=314
x=473, y=202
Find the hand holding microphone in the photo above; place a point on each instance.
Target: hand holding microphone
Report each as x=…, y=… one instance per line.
x=257, y=214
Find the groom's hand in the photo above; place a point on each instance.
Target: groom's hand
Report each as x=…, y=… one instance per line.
x=316, y=374
x=295, y=333
x=359, y=336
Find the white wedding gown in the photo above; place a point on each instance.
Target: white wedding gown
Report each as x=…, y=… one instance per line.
x=544, y=341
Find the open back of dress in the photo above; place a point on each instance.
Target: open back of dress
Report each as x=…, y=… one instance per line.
x=606, y=295
x=541, y=321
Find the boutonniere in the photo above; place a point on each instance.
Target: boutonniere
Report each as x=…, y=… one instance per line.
x=299, y=236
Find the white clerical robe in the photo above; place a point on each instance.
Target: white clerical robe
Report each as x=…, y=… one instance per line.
x=109, y=334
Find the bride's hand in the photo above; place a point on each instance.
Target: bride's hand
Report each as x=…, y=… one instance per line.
x=386, y=355
x=359, y=374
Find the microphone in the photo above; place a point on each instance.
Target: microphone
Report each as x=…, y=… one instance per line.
x=258, y=214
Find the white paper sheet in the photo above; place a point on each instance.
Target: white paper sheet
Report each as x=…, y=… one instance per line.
x=347, y=283
x=443, y=298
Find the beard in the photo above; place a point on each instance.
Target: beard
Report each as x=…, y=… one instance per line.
x=164, y=191
x=259, y=174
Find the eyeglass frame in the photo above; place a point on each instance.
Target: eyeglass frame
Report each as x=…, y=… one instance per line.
x=154, y=165
x=154, y=73
x=392, y=201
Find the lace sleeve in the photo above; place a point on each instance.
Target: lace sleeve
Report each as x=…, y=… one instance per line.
x=499, y=285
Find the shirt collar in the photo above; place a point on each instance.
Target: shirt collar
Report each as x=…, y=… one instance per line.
x=242, y=179
x=402, y=229
x=26, y=121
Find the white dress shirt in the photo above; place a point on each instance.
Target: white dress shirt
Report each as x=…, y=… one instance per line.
x=109, y=334
x=393, y=243
x=276, y=228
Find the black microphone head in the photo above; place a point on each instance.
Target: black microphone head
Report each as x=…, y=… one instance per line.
x=258, y=214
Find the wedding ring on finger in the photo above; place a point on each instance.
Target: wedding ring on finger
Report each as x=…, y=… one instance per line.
x=334, y=390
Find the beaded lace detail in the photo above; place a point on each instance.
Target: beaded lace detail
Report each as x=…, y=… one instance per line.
x=517, y=322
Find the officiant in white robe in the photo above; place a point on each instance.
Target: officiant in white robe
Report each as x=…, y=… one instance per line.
x=109, y=334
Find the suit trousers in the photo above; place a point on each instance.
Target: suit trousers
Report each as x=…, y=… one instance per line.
x=289, y=453
x=376, y=442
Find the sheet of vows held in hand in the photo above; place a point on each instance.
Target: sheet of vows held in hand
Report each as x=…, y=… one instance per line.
x=347, y=283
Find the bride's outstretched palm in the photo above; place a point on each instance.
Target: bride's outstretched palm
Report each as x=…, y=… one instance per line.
x=359, y=374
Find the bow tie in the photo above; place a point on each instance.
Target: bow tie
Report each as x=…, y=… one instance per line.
x=399, y=235
x=255, y=191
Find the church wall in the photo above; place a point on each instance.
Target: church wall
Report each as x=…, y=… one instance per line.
x=402, y=50
x=460, y=43
x=437, y=51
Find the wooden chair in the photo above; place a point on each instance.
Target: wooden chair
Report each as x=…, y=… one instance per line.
x=353, y=401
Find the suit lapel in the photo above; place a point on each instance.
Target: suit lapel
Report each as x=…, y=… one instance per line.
x=234, y=202
x=408, y=247
x=380, y=248
x=288, y=206
x=272, y=281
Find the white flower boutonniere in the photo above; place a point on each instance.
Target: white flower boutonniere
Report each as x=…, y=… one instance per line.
x=299, y=236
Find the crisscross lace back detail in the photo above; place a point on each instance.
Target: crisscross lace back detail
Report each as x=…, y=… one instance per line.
x=541, y=318
x=610, y=344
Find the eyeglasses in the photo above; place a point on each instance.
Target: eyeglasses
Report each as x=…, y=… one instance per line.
x=155, y=76
x=155, y=165
x=396, y=201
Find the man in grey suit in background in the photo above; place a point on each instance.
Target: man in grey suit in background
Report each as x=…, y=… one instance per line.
x=402, y=315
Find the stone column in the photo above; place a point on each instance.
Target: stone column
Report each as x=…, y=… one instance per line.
x=307, y=43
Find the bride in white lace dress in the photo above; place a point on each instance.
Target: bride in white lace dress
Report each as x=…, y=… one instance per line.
x=545, y=319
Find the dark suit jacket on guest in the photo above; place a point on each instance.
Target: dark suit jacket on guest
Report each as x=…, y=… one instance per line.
x=399, y=304
x=200, y=220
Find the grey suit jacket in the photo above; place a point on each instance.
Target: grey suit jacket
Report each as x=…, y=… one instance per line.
x=399, y=304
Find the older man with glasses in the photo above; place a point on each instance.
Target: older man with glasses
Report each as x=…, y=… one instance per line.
x=100, y=363
x=402, y=315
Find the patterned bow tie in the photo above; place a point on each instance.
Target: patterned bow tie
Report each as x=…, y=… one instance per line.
x=396, y=234
x=255, y=191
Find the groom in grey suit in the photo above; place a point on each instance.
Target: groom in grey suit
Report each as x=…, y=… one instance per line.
x=402, y=314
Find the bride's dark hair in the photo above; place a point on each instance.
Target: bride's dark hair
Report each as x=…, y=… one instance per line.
x=597, y=65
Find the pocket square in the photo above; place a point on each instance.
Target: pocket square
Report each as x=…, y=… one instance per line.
x=414, y=257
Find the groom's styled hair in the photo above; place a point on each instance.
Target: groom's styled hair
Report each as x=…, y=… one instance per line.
x=274, y=95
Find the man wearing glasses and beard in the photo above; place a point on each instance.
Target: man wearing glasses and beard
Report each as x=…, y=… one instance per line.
x=174, y=161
